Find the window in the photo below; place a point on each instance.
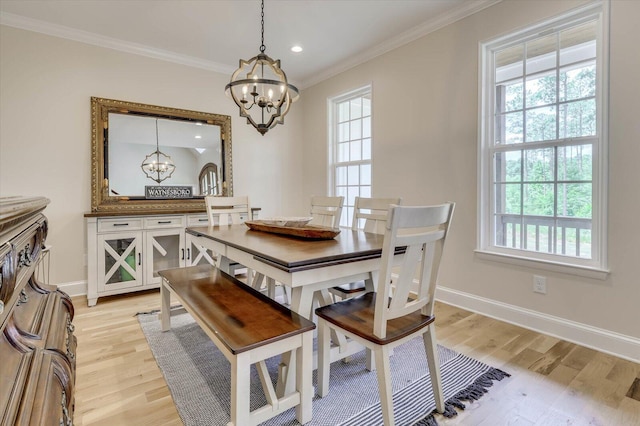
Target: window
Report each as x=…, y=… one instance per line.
x=350, y=123
x=209, y=179
x=543, y=142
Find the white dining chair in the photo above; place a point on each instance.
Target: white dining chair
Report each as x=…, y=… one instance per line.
x=227, y=210
x=369, y=215
x=223, y=211
x=381, y=322
x=326, y=211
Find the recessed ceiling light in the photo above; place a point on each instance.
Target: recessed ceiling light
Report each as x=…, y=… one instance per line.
x=296, y=49
x=198, y=137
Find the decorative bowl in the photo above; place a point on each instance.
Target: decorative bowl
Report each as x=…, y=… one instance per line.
x=290, y=222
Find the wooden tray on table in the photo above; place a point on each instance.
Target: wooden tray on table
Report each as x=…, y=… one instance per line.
x=309, y=232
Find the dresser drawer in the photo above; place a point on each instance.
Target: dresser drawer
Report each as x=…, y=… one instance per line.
x=121, y=224
x=164, y=222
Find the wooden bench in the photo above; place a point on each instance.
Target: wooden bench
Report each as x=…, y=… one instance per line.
x=248, y=328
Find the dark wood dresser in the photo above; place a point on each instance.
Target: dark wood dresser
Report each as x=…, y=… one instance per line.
x=37, y=345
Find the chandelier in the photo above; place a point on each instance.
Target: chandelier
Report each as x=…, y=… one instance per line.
x=261, y=83
x=158, y=166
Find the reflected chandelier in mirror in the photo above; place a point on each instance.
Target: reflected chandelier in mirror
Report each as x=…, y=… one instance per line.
x=123, y=134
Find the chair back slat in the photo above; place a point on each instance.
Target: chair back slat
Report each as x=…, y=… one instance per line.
x=370, y=214
x=326, y=211
x=422, y=231
x=228, y=210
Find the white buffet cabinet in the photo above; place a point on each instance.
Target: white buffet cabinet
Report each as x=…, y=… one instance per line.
x=125, y=253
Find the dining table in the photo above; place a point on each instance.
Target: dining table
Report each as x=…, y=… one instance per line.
x=309, y=267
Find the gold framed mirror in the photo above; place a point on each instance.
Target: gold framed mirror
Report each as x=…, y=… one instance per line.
x=125, y=134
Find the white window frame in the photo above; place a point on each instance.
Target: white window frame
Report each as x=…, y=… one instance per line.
x=332, y=114
x=597, y=266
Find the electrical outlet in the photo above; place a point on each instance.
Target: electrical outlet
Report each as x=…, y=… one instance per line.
x=539, y=284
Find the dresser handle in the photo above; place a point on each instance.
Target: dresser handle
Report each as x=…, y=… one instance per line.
x=121, y=224
x=203, y=220
x=23, y=298
x=24, y=257
x=182, y=254
x=163, y=222
x=189, y=254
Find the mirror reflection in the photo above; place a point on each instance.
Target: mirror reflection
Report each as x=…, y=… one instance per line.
x=194, y=149
x=188, y=153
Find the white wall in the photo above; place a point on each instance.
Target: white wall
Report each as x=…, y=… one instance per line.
x=45, y=130
x=425, y=127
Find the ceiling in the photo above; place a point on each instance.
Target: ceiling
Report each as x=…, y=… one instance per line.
x=335, y=34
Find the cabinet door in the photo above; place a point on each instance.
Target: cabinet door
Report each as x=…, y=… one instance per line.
x=199, y=255
x=119, y=260
x=164, y=249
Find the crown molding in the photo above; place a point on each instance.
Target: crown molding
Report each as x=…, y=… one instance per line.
x=467, y=9
x=29, y=24
x=62, y=31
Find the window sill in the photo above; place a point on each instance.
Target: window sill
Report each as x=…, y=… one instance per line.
x=582, y=271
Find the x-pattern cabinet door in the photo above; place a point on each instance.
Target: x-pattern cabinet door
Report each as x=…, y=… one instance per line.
x=119, y=260
x=164, y=249
x=198, y=254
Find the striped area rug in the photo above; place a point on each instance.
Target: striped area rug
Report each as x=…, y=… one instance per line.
x=198, y=376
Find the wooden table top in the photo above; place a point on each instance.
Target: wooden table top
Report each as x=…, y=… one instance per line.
x=294, y=254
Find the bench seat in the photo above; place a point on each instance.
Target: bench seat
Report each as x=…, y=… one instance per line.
x=247, y=327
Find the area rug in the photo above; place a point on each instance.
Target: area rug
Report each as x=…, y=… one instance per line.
x=198, y=376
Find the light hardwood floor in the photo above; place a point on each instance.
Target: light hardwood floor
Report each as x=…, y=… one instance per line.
x=552, y=382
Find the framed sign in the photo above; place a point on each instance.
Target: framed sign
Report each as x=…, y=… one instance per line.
x=166, y=192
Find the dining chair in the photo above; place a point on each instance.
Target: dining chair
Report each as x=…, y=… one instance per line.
x=381, y=322
x=326, y=211
x=369, y=215
x=229, y=211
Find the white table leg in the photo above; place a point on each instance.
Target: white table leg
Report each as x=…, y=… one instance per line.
x=271, y=288
x=301, y=303
x=165, y=312
x=304, y=383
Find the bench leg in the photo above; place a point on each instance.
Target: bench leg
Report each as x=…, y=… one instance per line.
x=304, y=367
x=240, y=389
x=165, y=312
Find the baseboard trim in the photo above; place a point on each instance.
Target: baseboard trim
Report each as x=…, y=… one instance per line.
x=620, y=345
x=602, y=340
x=74, y=288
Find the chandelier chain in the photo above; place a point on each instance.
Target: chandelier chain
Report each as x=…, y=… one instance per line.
x=262, y=47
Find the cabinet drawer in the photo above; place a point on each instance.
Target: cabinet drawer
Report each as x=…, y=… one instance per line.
x=197, y=220
x=163, y=222
x=122, y=224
